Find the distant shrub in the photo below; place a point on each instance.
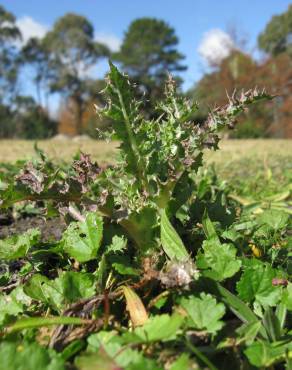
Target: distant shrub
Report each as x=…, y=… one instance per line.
x=249, y=130
x=7, y=125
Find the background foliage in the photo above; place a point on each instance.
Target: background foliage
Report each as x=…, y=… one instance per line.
x=64, y=60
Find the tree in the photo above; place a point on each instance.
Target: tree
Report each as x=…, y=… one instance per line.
x=148, y=53
x=73, y=52
x=31, y=121
x=7, y=128
x=92, y=124
x=276, y=40
x=277, y=36
x=236, y=72
x=276, y=75
x=9, y=34
x=35, y=54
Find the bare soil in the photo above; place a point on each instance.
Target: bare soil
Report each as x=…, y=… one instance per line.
x=51, y=229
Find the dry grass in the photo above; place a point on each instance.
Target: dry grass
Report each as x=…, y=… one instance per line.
x=13, y=150
x=260, y=149
x=64, y=150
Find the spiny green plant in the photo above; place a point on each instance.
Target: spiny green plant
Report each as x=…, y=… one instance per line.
x=158, y=159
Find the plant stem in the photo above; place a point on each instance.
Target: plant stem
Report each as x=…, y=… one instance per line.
x=200, y=355
x=74, y=213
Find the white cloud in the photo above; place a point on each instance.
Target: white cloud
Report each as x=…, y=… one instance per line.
x=31, y=28
x=112, y=41
x=215, y=46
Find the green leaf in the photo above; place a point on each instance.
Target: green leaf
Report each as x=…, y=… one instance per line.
x=255, y=284
x=24, y=356
x=204, y=312
x=249, y=331
x=123, y=265
x=67, y=288
x=112, y=360
x=37, y=322
x=281, y=314
x=239, y=308
x=264, y=354
x=101, y=273
x=141, y=227
x=287, y=297
x=102, y=339
x=82, y=239
x=160, y=327
x=200, y=355
x=96, y=361
x=275, y=219
x=272, y=324
x=209, y=228
x=218, y=260
x=123, y=110
x=72, y=349
x=13, y=304
x=119, y=244
x=17, y=246
x=40, y=288
x=76, y=285
x=171, y=241
x=183, y=362
x=141, y=363
x=112, y=344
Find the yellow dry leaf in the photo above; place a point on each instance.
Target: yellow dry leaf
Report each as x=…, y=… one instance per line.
x=255, y=251
x=135, y=306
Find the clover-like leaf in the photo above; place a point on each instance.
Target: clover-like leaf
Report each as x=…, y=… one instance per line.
x=160, y=327
x=204, y=312
x=40, y=288
x=218, y=260
x=255, y=284
x=106, y=352
x=264, y=354
x=67, y=288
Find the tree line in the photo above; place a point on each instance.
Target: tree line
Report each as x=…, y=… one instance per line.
x=63, y=63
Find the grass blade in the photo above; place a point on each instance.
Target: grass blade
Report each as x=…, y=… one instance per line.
x=36, y=322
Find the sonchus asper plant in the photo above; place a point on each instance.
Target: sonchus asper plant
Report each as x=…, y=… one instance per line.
x=157, y=159
x=154, y=176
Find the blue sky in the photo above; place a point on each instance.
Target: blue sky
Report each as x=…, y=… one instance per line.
x=192, y=19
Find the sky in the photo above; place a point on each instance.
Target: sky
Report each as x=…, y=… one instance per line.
x=201, y=25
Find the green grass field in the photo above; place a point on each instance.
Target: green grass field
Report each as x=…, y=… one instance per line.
x=256, y=168
x=264, y=150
